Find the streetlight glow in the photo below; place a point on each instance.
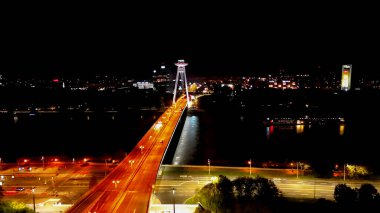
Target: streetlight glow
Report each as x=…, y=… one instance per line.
x=250, y=167
x=131, y=162
x=43, y=162
x=173, y=200
x=115, y=182
x=209, y=164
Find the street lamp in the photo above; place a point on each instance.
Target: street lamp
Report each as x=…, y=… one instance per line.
x=141, y=148
x=131, y=162
x=173, y=200
x=344, y=172
x=115, y=182
x=297, y=169
x=209, y=163
x=0, y=163
x=43, y=162
x=34, y=200
x=250, y=167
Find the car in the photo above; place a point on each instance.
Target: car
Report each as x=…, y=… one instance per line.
x=20, y=188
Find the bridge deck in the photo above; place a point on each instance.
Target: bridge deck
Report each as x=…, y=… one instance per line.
x=128, y=187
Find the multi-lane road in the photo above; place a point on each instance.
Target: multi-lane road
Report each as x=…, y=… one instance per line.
x=128, y=187
x=188, y=179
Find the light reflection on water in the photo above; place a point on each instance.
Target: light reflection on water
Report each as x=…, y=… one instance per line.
x=341, y=130
x=238, y=141
x=269, y=131
x=15, y=119
x=300, y=129
x=186, y=148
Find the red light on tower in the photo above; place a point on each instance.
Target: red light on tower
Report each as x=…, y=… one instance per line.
x=55, y=80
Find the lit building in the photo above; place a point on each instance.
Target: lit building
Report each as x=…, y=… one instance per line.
x=282, y=81
x=346, y=77
x=143, y=85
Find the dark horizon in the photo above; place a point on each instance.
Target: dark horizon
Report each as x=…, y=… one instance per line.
x=231, y=41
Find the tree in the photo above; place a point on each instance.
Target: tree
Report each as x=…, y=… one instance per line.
x=259, y=188
x=265, y=189
x=210, y=197
x=216, y=196
x=225, y=186
x=15, y=207
x=367, y=193
x=356, y=171
x=193, y=87
x=344, y=194
x=244, y=188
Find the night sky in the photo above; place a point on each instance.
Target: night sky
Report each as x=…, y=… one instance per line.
x=214, y=39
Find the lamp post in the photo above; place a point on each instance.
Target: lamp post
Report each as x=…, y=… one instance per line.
x=344, y=172
x=43, y=162
x=297, y=169
x=250, y=168
x=0, y=163
x=209, y=165
x=173, y=200
x=34, y=199
x=153, y=193
x=115, y=182
x=141, y=148
x=131, y=162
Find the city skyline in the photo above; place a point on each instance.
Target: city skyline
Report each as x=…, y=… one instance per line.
x=139, y=108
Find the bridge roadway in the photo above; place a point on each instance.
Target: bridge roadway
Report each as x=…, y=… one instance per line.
x=128, y=187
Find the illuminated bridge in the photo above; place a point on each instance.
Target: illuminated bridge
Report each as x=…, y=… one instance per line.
x=128, y=187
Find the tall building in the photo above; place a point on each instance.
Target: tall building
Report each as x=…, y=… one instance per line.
x=162, y=80
x=346, y=77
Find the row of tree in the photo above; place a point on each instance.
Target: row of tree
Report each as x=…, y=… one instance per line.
x=366, y=194
x=222, y=192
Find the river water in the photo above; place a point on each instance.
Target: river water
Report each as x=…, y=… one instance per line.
x=232, y=138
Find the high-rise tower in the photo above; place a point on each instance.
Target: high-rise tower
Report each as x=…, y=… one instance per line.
x=181, y=71
x=346, y=77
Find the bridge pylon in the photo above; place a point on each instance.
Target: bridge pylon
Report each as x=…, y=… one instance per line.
x=181, y=72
